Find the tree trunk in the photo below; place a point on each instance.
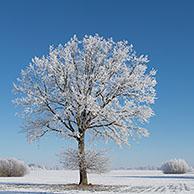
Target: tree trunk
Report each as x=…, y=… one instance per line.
x=82, y=166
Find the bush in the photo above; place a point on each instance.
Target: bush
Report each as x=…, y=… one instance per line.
x=177, y=166
x=12, y=168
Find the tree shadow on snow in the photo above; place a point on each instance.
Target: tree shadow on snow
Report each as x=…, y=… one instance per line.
x=157, y=177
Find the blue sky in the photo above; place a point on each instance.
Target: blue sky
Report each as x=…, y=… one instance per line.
x=162, y=29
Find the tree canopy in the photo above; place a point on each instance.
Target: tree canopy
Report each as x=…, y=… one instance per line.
x=94, y=85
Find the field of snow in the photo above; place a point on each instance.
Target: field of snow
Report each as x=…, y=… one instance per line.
x=117, y=181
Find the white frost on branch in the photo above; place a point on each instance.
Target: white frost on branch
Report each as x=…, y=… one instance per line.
x=93, y=85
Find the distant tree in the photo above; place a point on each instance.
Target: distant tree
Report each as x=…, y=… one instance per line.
x=94, y=161
x=94, y=86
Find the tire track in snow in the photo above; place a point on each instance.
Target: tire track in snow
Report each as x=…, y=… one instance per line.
x=170, y=188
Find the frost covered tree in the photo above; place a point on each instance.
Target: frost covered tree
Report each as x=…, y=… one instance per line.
x=94, y=161
x=94, y=86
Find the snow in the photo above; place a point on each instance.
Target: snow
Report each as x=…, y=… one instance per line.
x=122, y=181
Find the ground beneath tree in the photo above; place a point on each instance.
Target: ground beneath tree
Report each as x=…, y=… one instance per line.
x=121, y=181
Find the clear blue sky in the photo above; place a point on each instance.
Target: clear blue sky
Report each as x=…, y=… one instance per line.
x=162, y=29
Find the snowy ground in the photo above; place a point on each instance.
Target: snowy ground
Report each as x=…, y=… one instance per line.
x=118, y=181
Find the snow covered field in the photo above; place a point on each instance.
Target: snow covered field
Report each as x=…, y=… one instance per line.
x=117, y=181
